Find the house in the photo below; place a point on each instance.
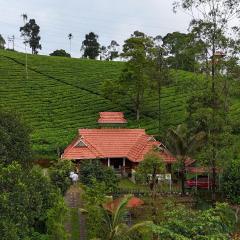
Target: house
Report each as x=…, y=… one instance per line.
x=115, y=145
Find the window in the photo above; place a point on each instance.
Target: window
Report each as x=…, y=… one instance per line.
x=80, y=144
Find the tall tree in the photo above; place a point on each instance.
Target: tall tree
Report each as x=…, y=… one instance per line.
x=113, y=50
x=212, y=25
x=90, y=46
x=182, y=146
x=135, y=78
x=151, y=166
x=30, y=31
x=70, y=37
x=159, y=72
x=182, y=50
x=2, y=42
x=14, y=140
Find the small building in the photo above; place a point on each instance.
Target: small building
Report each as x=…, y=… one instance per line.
x=114, y=145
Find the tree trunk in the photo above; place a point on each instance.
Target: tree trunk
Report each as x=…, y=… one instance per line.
x=138, y=114
x=159, y=107
x=183, y=181
x=214, y=107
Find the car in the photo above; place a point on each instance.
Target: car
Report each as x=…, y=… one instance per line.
x=201, y=182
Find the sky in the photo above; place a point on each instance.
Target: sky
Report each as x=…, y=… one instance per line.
x=110, y=19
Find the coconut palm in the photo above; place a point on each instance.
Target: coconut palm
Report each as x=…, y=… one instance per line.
x=182, y=146
x=115, y=226
x=70, y=36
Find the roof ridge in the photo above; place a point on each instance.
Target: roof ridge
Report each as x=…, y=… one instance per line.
x=137, y=143
x=96, y=150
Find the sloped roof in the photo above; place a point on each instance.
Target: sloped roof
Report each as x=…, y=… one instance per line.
x=113, y=143
x=111, y=117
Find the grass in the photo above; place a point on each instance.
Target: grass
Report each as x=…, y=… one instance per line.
x=75, y=225
x=62, y=95
x=127, y=185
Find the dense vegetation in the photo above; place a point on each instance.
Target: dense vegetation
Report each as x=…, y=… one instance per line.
x=62, y=95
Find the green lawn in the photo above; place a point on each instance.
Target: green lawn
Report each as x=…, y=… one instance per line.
x=127, y=185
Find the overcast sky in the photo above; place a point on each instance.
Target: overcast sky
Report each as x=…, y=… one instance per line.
x=110, y=19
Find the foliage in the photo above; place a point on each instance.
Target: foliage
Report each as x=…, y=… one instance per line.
x=134, y=78
x=182, y=146
x=231, y=181
x=181, y=50
x=94, y=169
x=30, y=32
x=14, y=140
x=103, y=224
x=56, y=217
x=26, y=196
x=90, y=46
x=2, y=42
x=182, y=223
x=151, y=165
x=59, y=174
x=60, y=53
x=94, y=197
x=113, y=50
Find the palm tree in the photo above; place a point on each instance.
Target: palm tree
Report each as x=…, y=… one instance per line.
x=181, y=145
x=70, y=36
x=116, y=228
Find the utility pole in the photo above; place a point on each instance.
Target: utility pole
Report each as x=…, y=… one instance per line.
x=24, y=16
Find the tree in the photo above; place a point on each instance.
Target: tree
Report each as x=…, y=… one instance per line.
x=179, y=222
x=103, y=53
x=26, y=200
x=30, y=31
x=60, y=53
x=231, y=181
x=90, y=170
x=151, y=166
x=147, y=172
x=212, y=27
x=14, y=140
x=106, y=224
x=113, y=50
x=115, y=226
x=70, y=37
x=2, y=42
x=90, y=46
x=135, y=79
x=59, y=174
x=182, y=146
x=158, y=72
x=182, y=50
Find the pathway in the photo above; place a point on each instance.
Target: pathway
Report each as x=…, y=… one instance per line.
x=76, y=225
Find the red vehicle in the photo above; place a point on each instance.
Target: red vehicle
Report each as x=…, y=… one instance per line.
x=201, y=182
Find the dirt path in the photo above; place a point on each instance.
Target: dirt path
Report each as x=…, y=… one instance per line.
x=75, y=225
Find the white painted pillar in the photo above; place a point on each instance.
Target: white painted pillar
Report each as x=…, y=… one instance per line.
x=124, y=164
x=109, y=163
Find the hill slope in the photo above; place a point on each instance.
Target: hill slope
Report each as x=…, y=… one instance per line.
x=62, y=95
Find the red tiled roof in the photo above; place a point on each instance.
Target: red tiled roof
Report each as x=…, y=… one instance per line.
x=112, y=117
x=132, y=203
x=114, y=143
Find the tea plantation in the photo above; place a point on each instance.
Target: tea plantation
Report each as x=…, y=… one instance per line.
x=62, y=95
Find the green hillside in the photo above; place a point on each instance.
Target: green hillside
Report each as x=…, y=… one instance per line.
x=62, y=95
